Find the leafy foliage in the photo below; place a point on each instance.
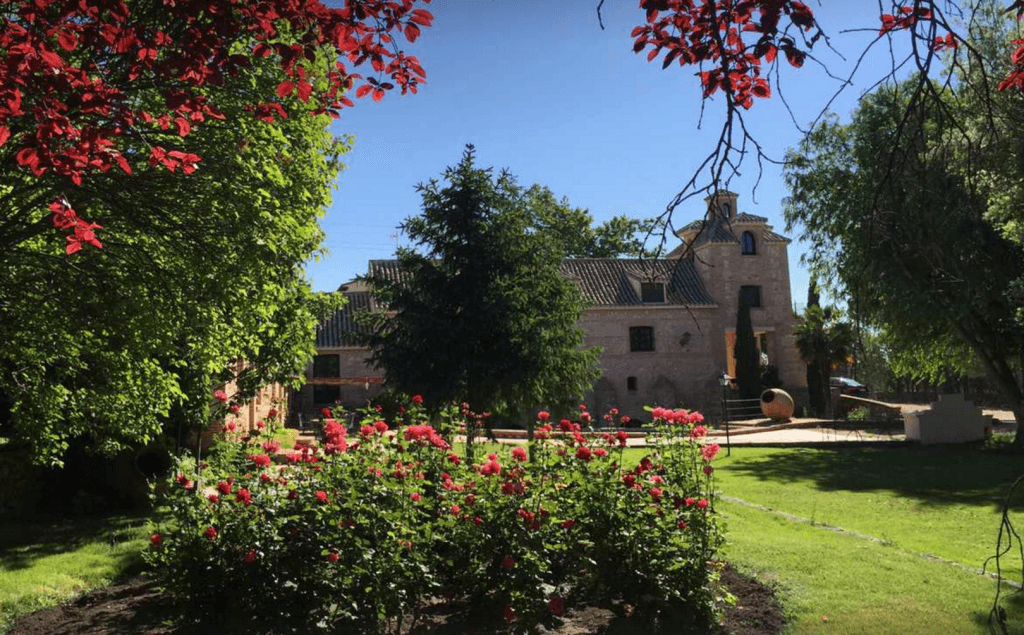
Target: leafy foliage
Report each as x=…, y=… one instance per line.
x=210, y=211
x=909, y=235
x=480, y=314
x=825, y=342
x=359, y=535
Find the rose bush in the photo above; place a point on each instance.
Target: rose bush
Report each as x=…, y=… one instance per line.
x=366, y=531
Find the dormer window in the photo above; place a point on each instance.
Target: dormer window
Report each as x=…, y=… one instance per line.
x=748, y=245
x=652, y=292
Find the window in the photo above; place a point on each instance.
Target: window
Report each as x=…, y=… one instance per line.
x=652, y=292
x=749, y=247
x=641, y=338
x=325, y=394
x=726, y=210
x=631, y=384
x=751, y=295
x=326, y=366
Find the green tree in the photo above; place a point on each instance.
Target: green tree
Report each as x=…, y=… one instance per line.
x=480, y=313
x=574, y=227
x=910, y=230
x=825, y=341
x=197, y=271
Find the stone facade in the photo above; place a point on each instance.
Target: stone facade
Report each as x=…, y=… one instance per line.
x=667, y=327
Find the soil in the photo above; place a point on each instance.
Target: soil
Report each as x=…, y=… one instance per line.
x=134, y=606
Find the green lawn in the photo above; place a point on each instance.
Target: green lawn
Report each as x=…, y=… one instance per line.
x=42, y=564
x=914, y=501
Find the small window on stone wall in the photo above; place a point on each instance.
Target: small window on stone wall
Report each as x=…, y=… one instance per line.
x=751, y=295
x=749, y=246
x=327, y=366
x=631, y=384
x=641, y=338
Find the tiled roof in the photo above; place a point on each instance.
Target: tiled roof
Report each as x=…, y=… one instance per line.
x=341, y=329
x=388, y=270
x=606, y=281
x=744, y=217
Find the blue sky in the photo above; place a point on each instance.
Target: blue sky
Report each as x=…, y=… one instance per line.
x=540, y=89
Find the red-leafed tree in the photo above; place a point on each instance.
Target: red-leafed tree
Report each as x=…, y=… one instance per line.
x=190, y=139
x=71, y=70
x=733, y=46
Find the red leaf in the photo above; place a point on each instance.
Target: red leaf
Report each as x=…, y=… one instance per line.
x=769, y=54
x=67, y=40
x=421, y=17
x=363, y=91
x=305, y=89
x=5, y=134
x=51, y=58
x=412, y=32
x=378, y=94
x=73, y=245
x=183, y=126
x=285, y=88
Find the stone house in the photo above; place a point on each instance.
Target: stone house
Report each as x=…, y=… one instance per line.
x=666, y=326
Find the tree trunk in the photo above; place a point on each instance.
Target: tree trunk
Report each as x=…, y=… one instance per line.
x=990, y=350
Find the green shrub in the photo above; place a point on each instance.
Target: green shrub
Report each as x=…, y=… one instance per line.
x=367, y=529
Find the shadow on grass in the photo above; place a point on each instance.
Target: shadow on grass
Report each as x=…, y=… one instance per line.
x=1013, y=603
x=936, y=475
x=22, y=543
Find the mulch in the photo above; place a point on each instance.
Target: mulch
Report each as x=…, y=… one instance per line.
x=136, y=607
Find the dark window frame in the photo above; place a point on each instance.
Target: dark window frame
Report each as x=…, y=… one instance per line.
x=751, y=294
x=748, y=244
x=652, y=292
x=320, y=361
x=631, y=384
x=641, y=339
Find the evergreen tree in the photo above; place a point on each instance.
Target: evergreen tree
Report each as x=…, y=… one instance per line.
x=480, y=312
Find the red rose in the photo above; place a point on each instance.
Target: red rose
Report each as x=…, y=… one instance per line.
x=260, y=424
x=243, y=496
x=261, y=460
x=272, y=413
x=601, y=452
x=211, y=533
x=709, y=451
x=702, y=504
x=568, y=523
x=583, y=453
x=321, y=497
x=417, y=399
x=250, y=557
x=681, y=524
x=415, y=496
x=543, y=415
x=332, y=557
x=519, y=453
x=380, y=427
x=326, y=413
x=455, y=510
x=220, y=396
x=656, y=493
x=508, y=562
x=235, y=408
x=213, y=498
x=156, y=540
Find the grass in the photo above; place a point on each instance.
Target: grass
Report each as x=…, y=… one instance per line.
x=940, y=501
x=45, y=563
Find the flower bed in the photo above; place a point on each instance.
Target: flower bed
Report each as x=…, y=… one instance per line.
x=365, y=531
